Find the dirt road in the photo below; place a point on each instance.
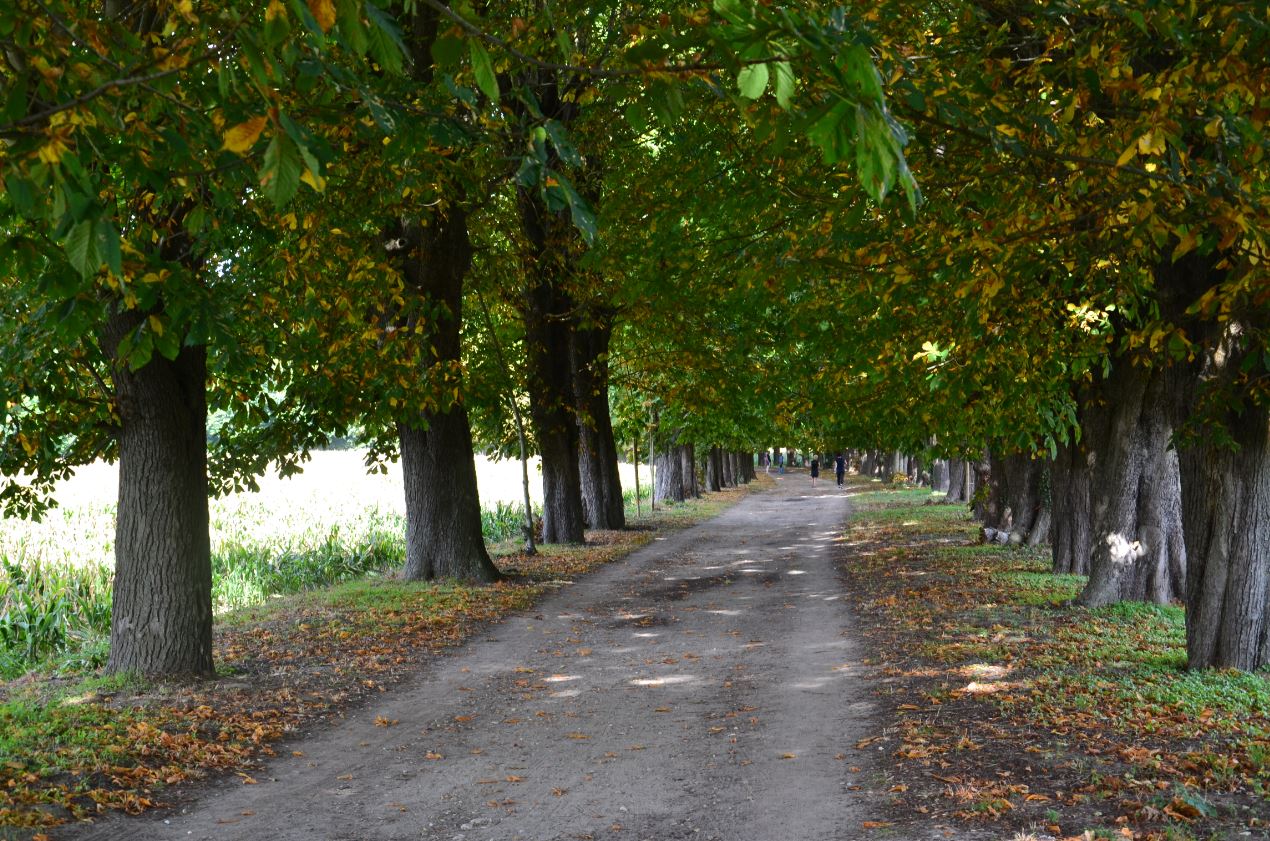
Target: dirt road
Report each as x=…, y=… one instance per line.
x=707, y=687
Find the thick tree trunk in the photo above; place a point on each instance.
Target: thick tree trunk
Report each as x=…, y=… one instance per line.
x=714, y=469
x=1024, y=497
x=669, y=469
x=549, y=318
x=939, y=476
x=729, y=470
x=1136, y=499
x=161, y=615
x=1225, y=491
x=443, y=510
x=597, y=450
x=956, y=493
x=688, y=459
x=1072, y=543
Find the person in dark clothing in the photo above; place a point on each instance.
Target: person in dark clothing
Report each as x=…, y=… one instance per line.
x=840, y=469
x=815, y=469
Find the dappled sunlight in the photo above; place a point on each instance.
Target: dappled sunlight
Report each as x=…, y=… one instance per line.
x=561, y=678
x=722, y=612
x=670, y=680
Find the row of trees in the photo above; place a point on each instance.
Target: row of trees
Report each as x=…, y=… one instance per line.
x=539, y=226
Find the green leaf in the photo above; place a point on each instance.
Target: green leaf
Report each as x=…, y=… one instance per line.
x=352, y=31
x=386, y=46
x=108, y=246
x=637, y=117
x=280, y=175
x=483, y=68
x=20, y=192
x=560, y=140
x=731, y=10
x=752, y=80
x=81, y=249
x=447, y=51
x=862, y=74
x=783, y=83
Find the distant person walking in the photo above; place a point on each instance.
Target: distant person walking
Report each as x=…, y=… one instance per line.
x=840, y=469
x=780, y=462
x=765, y=459
x=815, y=470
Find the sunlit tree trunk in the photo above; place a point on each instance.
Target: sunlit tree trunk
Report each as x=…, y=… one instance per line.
x=1137, y=550
x=161, y=613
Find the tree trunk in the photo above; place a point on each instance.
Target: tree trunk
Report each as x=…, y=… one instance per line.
x=669, y=466
x=714, y=469
x=1024, y=488
x=939, y=476
x=688, y=459
x=597, y=450
x=161, y=614
x=729, y=471
x=1072, y=545
x=1136, y=492
x=549, y=318
x=987, y=508
x=1225, y=490
x=443, y=510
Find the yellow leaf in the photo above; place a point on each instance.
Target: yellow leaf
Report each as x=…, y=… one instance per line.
x=323, y=12
x=314, y=180
x=1186, y=245
x=1151, y=143
x=243, y=136
x=1213, y=127
x=1127, y=154
x=277, y=9
x=156, y=325
x=51, y=152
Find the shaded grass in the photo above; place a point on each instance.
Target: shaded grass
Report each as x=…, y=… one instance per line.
x=1089, y=711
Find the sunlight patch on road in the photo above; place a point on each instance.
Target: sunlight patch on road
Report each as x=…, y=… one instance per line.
x=663, y=681
x=561, y=678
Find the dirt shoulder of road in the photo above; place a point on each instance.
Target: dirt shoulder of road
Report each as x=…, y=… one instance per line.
x=1017, y=715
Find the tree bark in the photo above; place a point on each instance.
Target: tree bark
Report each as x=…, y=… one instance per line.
x=939, y=476
x=1072, y=543
x=161, y=614
x=714, y=470
x=548, y=314
x=669, y=467
x=1136, y=502
x=729, y=471
x=597, y=449
x=443, y=508
x=1225, y=489
x=688, y=465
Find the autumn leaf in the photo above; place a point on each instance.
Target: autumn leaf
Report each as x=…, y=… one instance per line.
x=243, y=136
x=323, y=12
x=380, y=721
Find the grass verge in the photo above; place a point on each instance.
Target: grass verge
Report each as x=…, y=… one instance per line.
x=75, y=745
x=1017, y=713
